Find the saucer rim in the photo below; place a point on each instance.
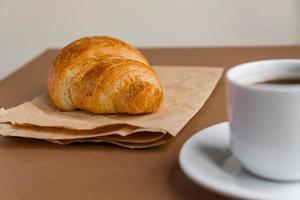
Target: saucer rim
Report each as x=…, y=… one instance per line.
x=206, y=182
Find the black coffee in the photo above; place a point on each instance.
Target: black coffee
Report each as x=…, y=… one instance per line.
x=282, y=81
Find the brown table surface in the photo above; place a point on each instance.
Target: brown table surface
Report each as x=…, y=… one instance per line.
x=32, y=169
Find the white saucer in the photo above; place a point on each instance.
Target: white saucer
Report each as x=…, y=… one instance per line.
x=206, y=159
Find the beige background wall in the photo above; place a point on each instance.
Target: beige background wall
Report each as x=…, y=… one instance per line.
x=27, y=27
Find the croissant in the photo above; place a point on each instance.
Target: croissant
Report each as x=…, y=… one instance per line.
x=102, y=74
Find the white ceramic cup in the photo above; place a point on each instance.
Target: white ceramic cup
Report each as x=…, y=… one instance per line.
x=265, y=119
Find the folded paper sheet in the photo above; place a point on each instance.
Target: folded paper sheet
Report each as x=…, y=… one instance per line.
x=185, y=90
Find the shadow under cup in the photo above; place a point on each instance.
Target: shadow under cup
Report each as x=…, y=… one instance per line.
x=265, y=118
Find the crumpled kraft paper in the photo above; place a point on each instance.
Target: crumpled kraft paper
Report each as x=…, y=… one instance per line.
x=185, y=91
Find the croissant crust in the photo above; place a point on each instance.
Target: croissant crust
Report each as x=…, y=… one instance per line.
x=102, y=74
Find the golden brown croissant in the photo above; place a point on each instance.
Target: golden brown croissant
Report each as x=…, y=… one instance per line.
x=103, y=75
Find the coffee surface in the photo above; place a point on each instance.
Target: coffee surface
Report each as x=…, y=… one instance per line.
x=282, y=81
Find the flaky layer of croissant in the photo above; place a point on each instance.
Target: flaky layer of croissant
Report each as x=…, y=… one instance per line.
x=104, y=75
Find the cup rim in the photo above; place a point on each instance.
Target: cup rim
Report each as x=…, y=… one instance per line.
x=230, y=77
